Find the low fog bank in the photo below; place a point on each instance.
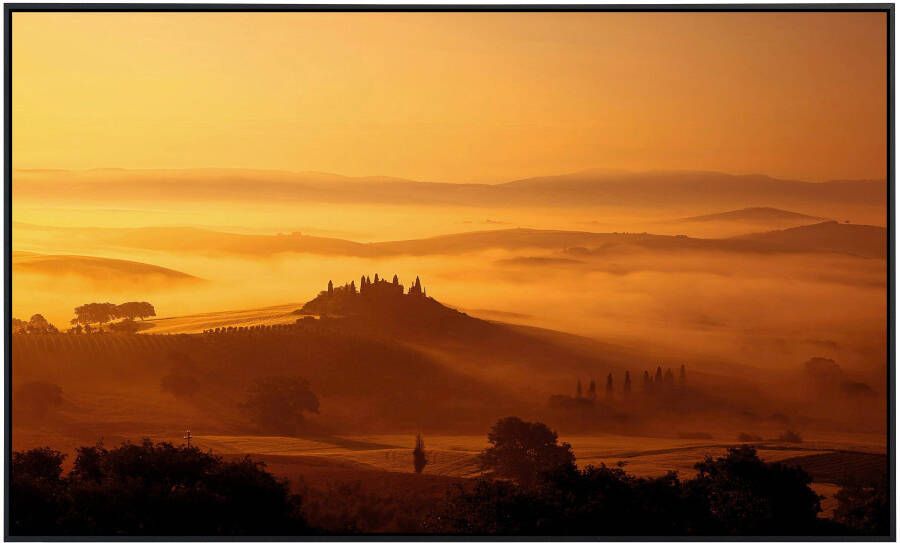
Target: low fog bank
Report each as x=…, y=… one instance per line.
x=772, y=342
x=744, y=329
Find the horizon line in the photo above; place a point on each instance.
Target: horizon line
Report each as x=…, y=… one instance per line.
x=380, y=176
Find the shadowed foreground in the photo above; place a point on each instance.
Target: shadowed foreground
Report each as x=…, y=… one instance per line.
x=530, y=485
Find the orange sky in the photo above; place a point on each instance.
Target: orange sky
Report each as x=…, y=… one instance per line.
x=452, y=96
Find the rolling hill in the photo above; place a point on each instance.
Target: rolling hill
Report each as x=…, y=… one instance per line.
x=378, y=366
x=853, y=239
x=763, y=215
x=94, y=268
x=856, y=240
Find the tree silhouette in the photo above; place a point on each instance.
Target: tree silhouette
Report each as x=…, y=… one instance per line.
x=135, y=310
x=864, y=506
x=420, y=460
x=19, y=326
x=669, y=377
x=609, y=386
x=36, y=399
x=37, y=500
x=592, y=390
x=148, y=489
x=659, y=375
x=745, y=495
x=735, y=495
x=524, y=451
x=37, y=324
x=626, y=388
x=277, y=404
x=99, y=313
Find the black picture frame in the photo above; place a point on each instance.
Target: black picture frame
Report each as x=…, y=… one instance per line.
x=887, y=8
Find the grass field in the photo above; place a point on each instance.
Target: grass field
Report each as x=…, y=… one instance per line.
x=455, y=456
x=378, y=463
x=193, y=324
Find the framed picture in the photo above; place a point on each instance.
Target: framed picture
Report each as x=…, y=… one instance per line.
x=458, y=272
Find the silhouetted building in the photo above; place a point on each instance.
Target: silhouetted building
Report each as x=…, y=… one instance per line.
x=379, y=289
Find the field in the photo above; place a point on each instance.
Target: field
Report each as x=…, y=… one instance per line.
x=377, y=462
x=192, y=324
x=374, y=404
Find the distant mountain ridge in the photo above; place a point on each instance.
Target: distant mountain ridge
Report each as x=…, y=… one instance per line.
x=593, y=187
x=755, y=214
x=829, y=236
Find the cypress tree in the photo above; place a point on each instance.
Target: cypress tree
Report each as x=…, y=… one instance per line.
x=420, y=460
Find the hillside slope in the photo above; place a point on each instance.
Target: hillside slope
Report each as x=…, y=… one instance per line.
x=756, y=215
x=96, y=268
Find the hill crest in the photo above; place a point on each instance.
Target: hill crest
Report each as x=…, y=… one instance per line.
x=755, y=214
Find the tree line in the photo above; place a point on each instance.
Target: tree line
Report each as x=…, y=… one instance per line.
x=37, y=324
x=88, y=315
x=530, y=485
x=100, y=313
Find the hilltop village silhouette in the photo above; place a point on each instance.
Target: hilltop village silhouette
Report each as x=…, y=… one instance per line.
x=376, y=287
